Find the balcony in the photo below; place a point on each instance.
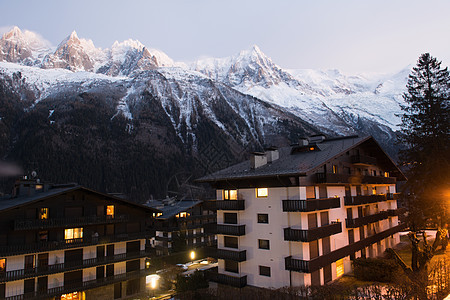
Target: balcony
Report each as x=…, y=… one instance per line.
x=230, y=204
x=378, y=179
x=396, y=212
x=299, y=235
x=65, y=222
x=66, y=244
x=363, y=160
x=332, y=178
x=236, y=230
x=310, y=205
x=238, y=256
x=358, y=222
x=393, y=196
x=363, y=199
x=80, y=286
x=308, y=266
x=235, y=281
x=64, y=267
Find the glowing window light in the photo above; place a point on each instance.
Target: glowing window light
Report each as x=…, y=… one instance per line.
x=262, y=192
x=339, y=268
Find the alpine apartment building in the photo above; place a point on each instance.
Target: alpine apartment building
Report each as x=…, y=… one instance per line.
x=69, y=242
x=298, y=215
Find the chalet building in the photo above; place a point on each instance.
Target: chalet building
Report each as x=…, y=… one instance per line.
x=183, y=225
x=69, y=242
x=298, y=215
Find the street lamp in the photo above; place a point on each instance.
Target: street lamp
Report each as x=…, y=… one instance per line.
x=192, y=255
x=152, y=281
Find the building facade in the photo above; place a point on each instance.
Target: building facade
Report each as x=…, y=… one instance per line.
x=298, y=215
x=69, y=242
x=183, y=225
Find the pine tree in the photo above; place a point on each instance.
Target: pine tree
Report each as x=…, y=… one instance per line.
x=425, y=133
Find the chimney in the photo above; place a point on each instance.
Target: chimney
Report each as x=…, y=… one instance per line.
x=303, y=142
x=318, y=138
x=272, y=154
x=258, y=159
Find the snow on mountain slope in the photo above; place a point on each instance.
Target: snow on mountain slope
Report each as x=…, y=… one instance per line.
x=23, y=47
x=325, y=98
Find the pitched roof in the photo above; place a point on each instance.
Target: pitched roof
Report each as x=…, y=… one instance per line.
x=169, y=211
x=8, y=202
x=298, y=163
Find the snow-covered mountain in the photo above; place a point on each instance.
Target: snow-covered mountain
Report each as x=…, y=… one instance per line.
x=330, y=101
x=128, y=117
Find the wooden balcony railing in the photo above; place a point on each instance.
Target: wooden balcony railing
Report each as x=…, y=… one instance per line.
x=358, y=222
x=308, y=266
x=68, y=266
x=69, y=287
x=393, y=196
x=68, y=222
x=311, y=204
x=230, y=204
x=347, y=178
x=235, y=281
x=236, y=230
x=238, y=256
x=300, y=235
x=363, y=199
x=66, y=244
x=363, y=160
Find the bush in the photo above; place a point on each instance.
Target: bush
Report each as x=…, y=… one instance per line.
x=375, y=269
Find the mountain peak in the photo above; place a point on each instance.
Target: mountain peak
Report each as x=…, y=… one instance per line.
x=14, y=33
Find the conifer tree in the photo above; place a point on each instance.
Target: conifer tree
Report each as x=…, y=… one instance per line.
x=425, y=133
x=426, y=157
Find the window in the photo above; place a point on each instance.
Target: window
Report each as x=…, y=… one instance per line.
x=230, y=218
x=374, y=172
x=110, y=211
x=264, y=271
x=71, y=296
x=73, y=233
x=310, y=192
x=264, y=244
x=182, y=214
x=231, y=266
x=262, y=192
x=43, y=213
x=2, y=265
x=374, y=190
x=386, y=174
x=263, y=218
x=231, y=242
x=230, y=195
x=351, y=236
x=339, y=268
x=43, y=235
x=335, y=169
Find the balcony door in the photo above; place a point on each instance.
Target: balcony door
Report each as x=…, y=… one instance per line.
x=43, y=261
x=73, y=257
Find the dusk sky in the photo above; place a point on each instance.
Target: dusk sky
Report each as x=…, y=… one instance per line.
x=352, y=36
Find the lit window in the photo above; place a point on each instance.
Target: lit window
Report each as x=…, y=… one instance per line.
x=2, y=265
x=182, y=215
x=158, y=214
x=262, y=192
x=374, y=190
x=43, y=213
x=71, y=296
x=38, y=187
x=73, y=233
x=230, y=195
x=386, y=174
x=110, y=211
x=335, y=169
x=339, y=268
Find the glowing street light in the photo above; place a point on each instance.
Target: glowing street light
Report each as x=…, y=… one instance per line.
x=192, y=255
